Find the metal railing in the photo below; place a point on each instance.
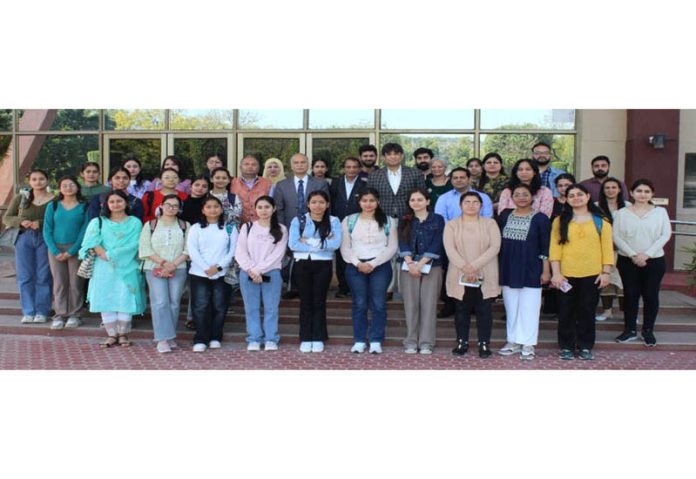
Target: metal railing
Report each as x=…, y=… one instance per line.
x=683, y=223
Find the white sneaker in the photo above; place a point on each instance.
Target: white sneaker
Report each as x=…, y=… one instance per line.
x=215, y=344
x=57, y=324
x=317, y=346
x=199, y=347
x=411, y=350
x=163, y=347
x=270, y=346
x=306, y=347
x=27, y=319
x=426, y=350
x=40, y=318
x=510, y=349
x=358, y=348
x=527, y=352
x=254, y=347
x=172, y=344
x=375, y=348
x=73, y=322
x=606, y=314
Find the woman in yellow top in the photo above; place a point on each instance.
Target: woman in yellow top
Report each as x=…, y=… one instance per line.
x=582, y=256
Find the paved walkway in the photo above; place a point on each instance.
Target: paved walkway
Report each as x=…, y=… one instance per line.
x=84, y=353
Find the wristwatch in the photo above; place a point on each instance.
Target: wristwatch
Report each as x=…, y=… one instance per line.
x=219, y=268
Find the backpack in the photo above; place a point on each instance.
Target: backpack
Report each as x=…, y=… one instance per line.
x=598, y=224
x=181, y=223
x=353, y=219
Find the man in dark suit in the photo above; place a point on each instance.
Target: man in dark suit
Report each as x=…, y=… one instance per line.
x=344, y=201
x=290, y=196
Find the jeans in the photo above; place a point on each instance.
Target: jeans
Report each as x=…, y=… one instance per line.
x=639, y=282
x=165, y=299
x=209, y=301
x=316, y=277
x=253, y=294
x=473, y=302
x=369, y=289
x=576, y=314
x=34, y=279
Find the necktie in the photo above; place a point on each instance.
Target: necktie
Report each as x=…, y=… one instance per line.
x=301, y=208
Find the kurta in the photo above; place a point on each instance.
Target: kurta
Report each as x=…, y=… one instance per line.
x=117, y=284
x=525, y=240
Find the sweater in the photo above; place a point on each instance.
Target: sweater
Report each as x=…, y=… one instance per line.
x=257, y=251
x=63, y=226
x=367, y=241
x=14, y=216
x=647, y=235
x=211, y=246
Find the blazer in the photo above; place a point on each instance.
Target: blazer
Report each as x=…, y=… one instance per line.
x=395, y=205
x=340, y=205
x=285, y=196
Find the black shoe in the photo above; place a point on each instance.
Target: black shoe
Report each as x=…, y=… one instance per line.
x=626, y=336
x=290, y=295
x=649, y=339
x=484, y=350
x=445, y=312
x=390, y=296
x=342, y=294
x=461, y=348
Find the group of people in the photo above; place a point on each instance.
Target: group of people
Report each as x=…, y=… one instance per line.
x=473, y=234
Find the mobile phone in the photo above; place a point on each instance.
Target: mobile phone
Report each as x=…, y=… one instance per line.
x=565, y=286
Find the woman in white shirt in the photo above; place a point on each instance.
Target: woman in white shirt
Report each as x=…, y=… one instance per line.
x=369, y=242
x=210, y=244
x=640, y=233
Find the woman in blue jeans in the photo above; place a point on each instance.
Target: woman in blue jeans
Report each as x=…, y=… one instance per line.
x=211, y=245
x=163, y=248
x=34, y=279
x=369, y=242
x=260, y=252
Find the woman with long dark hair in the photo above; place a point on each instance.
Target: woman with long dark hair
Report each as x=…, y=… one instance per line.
x=259, y=253
x=321, y=169
x=65, y=223
x=420, y=257
x=562, y=181
x=582, y=255
x=313, y=239
x=527, y=171
x=116, y=288
x=640, y=234
x=174, y=162
x=475, y=167
x=27, y=212
x=91, y=187
x=493, y=178
x=138, y=184
x=119, y=178
x=369, y=242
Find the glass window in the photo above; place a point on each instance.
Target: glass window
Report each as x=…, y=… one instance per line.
x=265, y=148
x=194, y=151
x=271, y=119
x=58, y=120
x=5, y=120
x=513, y=147
x=201, y=119
x=6, y=170
x=334, y=150
x=57, y=155
x=327, y=119
x=147, y=150
x=690, y=181
x=428, y=119
x=527, y=119
x=455, y=149
x=134, y=120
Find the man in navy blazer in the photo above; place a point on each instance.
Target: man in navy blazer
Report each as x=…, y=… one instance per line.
x=344, y=201
x=285, y=195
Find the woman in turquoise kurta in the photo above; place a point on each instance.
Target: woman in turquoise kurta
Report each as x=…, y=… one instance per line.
x=116, y=289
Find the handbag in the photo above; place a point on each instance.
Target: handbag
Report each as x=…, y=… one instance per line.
x=8, y=238
x=87, y=266
x=232, y=275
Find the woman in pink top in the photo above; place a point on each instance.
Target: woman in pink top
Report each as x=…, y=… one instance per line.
x=526, y=171
x=260, y=250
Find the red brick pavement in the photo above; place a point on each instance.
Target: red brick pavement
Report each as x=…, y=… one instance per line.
x=83, y=353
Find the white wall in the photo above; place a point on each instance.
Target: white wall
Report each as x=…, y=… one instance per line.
x=601, y=132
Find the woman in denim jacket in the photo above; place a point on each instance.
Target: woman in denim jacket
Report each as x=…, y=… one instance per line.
x=420, y=256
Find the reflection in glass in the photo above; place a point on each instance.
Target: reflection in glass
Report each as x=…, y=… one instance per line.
x=690, y=181
x=5, y=120
x=428, y=119
x=147, y=150
x=57, y=120
x=201, y=119
x=6, y=170
x=134, y=120
x=194, y=151
x=455, y=149
x=271, y=119
x=265, y=148
x=528, y=119
x=334, y=150
x=57, y=155
x=514, y=146
x=327, y=119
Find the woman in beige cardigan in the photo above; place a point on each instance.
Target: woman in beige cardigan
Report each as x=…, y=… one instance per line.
x=472, y=244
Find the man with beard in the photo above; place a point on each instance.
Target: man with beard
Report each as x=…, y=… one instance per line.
x=600, y=171
x=541, y=153
x=424, y=157
x=368, y=158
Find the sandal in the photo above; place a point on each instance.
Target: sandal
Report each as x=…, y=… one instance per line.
x=123, y=341
x=189, y=324
x=108, y=342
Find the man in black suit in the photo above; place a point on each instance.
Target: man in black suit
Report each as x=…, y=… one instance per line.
x=344, y=201
x=290, y=196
